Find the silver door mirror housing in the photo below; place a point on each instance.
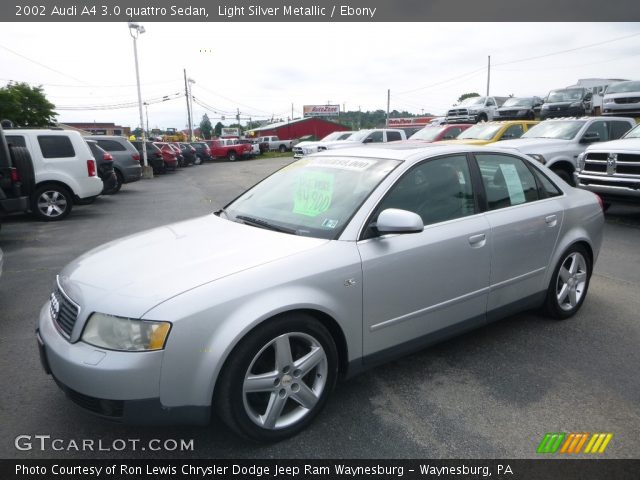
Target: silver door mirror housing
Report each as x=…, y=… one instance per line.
x=394, y=220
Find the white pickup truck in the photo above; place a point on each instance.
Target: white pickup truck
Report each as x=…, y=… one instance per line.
x=376, y=135
x=475, y=109
x=275, y=143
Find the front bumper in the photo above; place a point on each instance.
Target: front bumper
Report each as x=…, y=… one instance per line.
x=565, y=112
x=120, y=386
x=611, y=188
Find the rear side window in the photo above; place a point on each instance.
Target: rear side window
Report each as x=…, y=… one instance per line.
x=391, y=136
x=547, y=188
x=56, y=146
x=618, y=129
x=111, y=145
x=16, y=140
x=507, y=180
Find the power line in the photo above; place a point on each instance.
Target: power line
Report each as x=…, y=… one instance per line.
x=42, y=65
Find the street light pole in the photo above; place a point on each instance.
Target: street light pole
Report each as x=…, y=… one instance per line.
x=193, y=117
x=135, y=30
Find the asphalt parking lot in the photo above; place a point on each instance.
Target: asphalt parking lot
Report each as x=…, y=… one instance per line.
x=492, y=393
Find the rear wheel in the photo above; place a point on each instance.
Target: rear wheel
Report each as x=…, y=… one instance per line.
x=569, y=283
x=119, y=182
x=564, y=175
x=51, y=202
x=198, y=160
x=278, y=378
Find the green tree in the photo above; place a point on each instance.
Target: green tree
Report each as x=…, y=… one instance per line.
x=26, y=106
x=467, y=95
x=206, y=129
x=218, y=129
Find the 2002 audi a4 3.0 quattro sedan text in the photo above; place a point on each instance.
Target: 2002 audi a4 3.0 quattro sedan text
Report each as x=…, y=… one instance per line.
x=332, y=264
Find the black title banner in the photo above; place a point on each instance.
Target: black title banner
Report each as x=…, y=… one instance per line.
x=317, y=11
x=319, y=469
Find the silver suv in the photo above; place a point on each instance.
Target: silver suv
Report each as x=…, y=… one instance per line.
x=622, y=98
x=64, y=170
x=126, y=158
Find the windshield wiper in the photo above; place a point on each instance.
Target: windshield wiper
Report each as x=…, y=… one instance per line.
x=257, y=222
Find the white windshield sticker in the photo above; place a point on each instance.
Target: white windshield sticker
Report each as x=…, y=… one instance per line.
x=329, y=223
x=514, y=185
x=355, y=164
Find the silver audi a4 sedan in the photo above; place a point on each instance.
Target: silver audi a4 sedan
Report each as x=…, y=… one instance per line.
x=336, y=262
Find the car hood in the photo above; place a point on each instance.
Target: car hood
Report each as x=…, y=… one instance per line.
x=535, y=145
x=620, y=144
x=131, y=275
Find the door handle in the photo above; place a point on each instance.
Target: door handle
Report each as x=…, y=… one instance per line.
x=551, y=220
x=477, y=241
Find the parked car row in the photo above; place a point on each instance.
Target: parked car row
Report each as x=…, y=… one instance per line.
x=48, y=171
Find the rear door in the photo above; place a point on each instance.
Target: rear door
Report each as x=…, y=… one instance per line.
x=525, y=222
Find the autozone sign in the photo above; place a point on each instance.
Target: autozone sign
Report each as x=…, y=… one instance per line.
x=321, y=110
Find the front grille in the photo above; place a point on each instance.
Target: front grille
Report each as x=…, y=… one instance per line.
x=63, y=311
x=456, y=112
x=509, y=112
x=625, y=164
x=625, y=100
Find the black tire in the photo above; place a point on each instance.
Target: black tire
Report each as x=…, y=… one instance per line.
x=51, y=202
x=232, y=156
x=564, y=175
x=572, y=272
x=119, y=182
x=282, y=149
x=255, y=354
x=531, y=116
x=21, y=159
x=198, y=160
x=482, y=117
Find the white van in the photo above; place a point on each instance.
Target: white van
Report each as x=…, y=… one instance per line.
x=64, y=167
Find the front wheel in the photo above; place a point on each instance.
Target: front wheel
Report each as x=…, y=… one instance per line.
x=278, y=378
x=282, y=149
x=51, y=203
x=564, y=175
x=232, y=157
x=569, y=284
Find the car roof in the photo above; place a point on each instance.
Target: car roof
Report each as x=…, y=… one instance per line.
x=407, y=152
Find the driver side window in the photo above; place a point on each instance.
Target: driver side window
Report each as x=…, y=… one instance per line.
x=438, y=190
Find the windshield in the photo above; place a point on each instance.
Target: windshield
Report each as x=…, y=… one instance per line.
x=564, y=130
x=427, y=133
x=336, y=136
x=565, y=95
x=359, y=136
x=624, y=87
x=480, y=132
x=313, y=197
x=633, y=133
x=517, y=102
x=472, y=101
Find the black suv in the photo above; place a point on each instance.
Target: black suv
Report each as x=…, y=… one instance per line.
x=17, y=178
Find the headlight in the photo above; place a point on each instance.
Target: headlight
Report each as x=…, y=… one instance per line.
x=522, y=112
x=544, y=107
x=119, y=333
x=538, y=157
x=308, y=150
x=609, y=100
x=575, y=105
x=580, y=162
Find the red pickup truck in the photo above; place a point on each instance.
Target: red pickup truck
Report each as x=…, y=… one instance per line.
x=229, y=149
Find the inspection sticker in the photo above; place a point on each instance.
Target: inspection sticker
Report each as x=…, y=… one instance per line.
x=313, y=194
x=514, y=185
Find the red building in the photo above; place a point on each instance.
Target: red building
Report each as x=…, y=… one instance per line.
x=318, y=127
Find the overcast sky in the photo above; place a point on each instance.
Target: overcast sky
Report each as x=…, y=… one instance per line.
x=264, y=68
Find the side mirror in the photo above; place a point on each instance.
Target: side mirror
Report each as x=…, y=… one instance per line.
x=394, y=220
x=590, y=137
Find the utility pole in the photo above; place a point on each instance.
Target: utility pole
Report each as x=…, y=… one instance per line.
x=186, y=95
x=146, y=108
x=238, y=118
x=388, y=105
x=488, y=74
x=292, y=111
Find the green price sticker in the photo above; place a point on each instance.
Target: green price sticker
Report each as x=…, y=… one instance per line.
x=313, y=194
